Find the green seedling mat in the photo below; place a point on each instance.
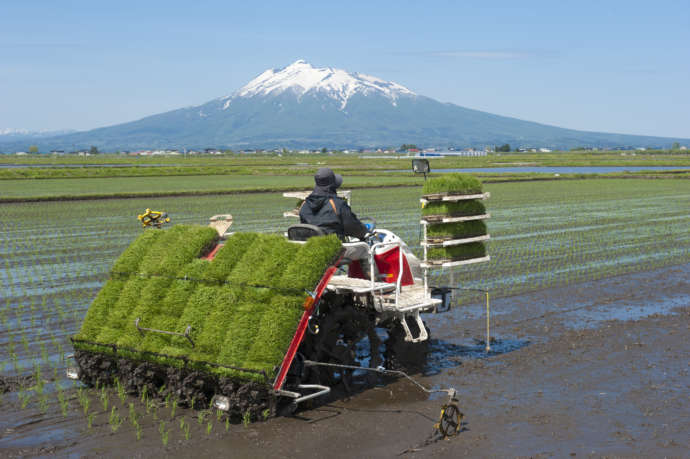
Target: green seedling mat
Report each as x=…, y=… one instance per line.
x=454, y=209
x=459, y=230
x=454, y=183
x=243, y=306
x=457, y=252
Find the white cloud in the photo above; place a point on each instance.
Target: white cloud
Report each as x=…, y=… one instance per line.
x=483, y=54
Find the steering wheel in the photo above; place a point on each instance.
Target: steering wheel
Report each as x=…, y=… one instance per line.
x=371, y=236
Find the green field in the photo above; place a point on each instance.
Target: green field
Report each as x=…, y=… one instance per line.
x=56, y=256
x=68, y=166
x=131, y=186
x=74, y=177
x=128, y=187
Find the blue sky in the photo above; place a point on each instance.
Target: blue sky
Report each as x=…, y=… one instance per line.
x=613, y=66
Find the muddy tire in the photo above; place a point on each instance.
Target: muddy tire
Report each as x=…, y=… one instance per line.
x=403, y=355
x=347, y=336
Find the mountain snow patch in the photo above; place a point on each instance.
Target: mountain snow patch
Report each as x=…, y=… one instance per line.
x=301, y=78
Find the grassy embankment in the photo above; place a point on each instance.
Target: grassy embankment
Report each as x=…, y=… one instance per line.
x=93, y=178
x=44, y=166
x=352, y=161
x=25, y=190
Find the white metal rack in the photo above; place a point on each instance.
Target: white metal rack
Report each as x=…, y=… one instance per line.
x=436, y=219
x=341, y=283
x=402, y=302
x=452, y=242
x=450, y=264
x=443, y=219
x=453, y=197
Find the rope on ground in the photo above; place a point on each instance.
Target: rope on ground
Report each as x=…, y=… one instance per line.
x=450, y=420
x=451, y=392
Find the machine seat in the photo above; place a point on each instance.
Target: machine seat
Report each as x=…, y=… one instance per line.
x=303, y=231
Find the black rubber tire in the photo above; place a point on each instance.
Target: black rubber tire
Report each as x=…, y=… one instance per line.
x=403, y=355
x=341, y=328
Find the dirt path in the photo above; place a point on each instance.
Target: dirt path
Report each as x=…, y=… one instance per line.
x=597, y=369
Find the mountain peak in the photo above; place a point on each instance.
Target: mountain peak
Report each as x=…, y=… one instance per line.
x=299, y=63
x=302, y=78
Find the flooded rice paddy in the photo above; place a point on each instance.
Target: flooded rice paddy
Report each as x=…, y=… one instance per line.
x=545, y=237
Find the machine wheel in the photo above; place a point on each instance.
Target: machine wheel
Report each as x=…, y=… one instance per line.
x=341, y=340
x=403, y=355
x=450, y=421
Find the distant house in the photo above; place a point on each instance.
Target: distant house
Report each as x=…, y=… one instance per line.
x=545, y=150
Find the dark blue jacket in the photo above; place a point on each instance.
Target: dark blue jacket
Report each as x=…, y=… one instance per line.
x=326, y=210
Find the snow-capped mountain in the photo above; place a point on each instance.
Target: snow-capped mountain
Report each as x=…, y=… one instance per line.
x=300, y=106
x=12, y=132
x=302, y=79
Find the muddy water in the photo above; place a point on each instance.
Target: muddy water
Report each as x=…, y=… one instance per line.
x=558, y=380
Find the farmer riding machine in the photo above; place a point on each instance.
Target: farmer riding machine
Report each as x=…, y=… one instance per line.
x=255, y=324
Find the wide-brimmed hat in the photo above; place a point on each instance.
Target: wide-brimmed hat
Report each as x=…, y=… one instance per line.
x=325, y=177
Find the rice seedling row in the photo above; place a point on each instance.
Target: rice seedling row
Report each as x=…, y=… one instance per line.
x=55, y=256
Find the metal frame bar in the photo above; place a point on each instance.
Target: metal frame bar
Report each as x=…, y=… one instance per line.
x=302, y=326
x=452, y=242
x=165, y=332
x=450, y=264
x=298, y=398
x=437, y=219
x=453, y=197
x=398, y=281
